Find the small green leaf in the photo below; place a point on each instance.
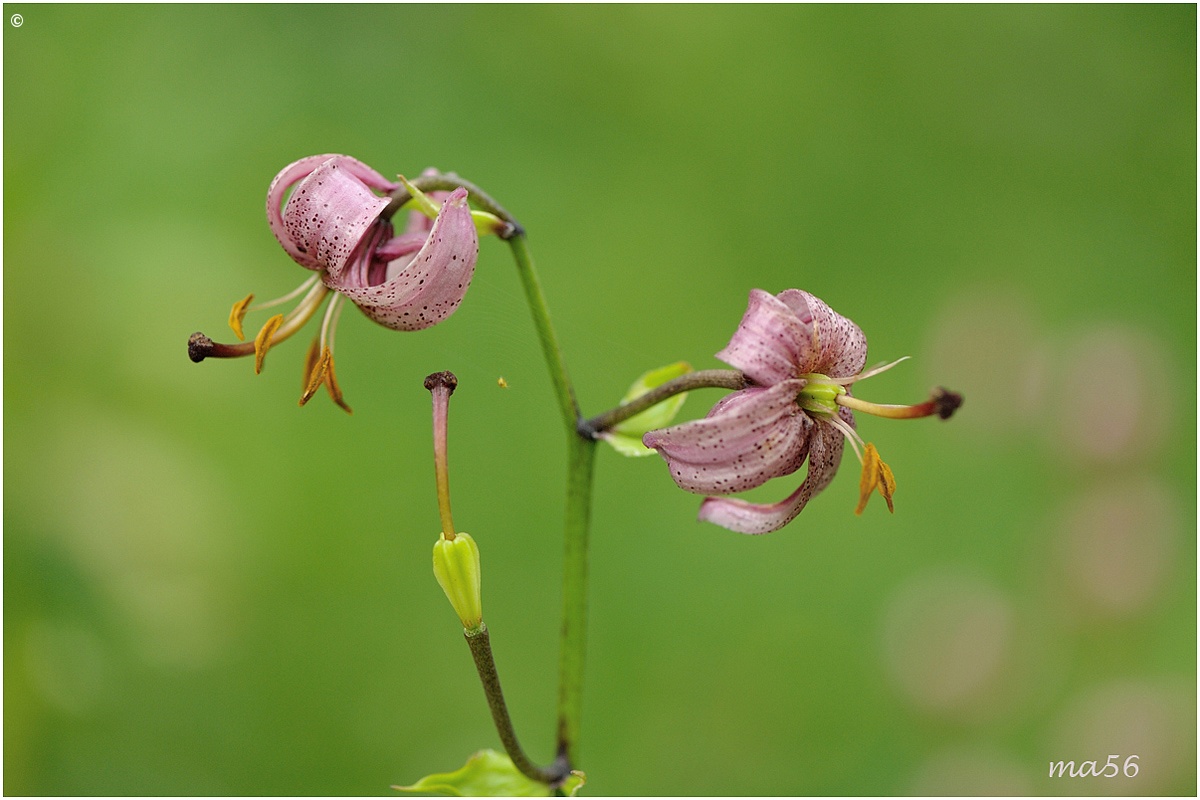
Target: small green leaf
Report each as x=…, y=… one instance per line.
x=630, y=446
x=573, y=783
x=486, y=774
x=626, y=437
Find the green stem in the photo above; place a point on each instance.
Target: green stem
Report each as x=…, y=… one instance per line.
x=705, y=378
x=448, y=183
x=573, y=636
x=567, y=406
x=577, y=519
x=481, y=650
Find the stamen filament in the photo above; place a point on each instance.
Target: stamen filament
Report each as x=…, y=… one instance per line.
x=851, y=435
x=331, y=314
x=441, y=385
x=337, y=315
x=294, y=293
x=870, y=373
x=308, y=306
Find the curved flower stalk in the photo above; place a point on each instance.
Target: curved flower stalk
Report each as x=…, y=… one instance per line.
x=803, y=358
x=335, y=224
x=456, y=565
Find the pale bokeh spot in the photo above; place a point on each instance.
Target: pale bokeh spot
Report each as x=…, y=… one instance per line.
x=967, y=771
x=1154, y=720
x=1117, y=544
x=986, y=344
x=1112, y=397
x=947, y=639
x=135, y=511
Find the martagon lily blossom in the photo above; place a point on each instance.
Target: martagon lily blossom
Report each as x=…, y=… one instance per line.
x=802, y=358
x=334, y=223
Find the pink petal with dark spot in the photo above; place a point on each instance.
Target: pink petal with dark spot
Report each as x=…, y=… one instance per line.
x=428, y=286
x=298, y=171
x=840, y=347
x=771, y=343
x=824, y=456
x=747, y=438
x=328, y=214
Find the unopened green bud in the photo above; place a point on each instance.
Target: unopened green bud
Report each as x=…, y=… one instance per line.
x=456, y=567
x=820, y=394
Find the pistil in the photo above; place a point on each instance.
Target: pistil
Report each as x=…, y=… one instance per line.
x=441, y=385
x=943, y=403
x=201, y=347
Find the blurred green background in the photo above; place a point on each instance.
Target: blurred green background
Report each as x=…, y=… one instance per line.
x=209, y=590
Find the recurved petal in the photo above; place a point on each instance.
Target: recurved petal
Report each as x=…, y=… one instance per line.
x=840, y=347
x=328, y=214
x=771, y=343
x=298, y=171
x=824, y=456
x=432, y=283
x=748, y=438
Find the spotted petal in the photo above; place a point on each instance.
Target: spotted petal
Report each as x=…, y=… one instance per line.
x=747, y=438
x=839, y=346
x=300, y=241
x=824, y=456
x=328, y=215
x=416, y=290
x=771, y=344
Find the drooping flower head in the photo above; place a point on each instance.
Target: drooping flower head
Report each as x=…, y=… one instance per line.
x=332, y=223
x=336, y=224
x=802, y=358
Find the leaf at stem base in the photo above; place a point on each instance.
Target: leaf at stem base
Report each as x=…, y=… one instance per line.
x=486, y=774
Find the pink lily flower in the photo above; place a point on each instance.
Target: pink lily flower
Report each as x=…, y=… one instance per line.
x=803, y=356
x=334, y=224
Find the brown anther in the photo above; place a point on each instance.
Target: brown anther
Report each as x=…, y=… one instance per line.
x=946, y=402
x=262, y=342
x=237, y=314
